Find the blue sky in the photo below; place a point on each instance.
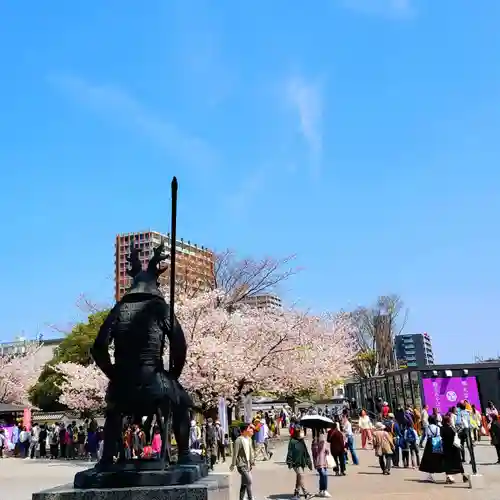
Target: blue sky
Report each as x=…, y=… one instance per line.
x=360, y=135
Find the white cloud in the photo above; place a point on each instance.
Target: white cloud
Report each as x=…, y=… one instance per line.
x=306, y=99
x=117, y=105
x=389, y=8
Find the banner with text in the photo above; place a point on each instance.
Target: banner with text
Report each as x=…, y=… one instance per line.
x=443, y=393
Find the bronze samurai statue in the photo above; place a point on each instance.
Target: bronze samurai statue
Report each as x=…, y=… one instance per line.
x=139, y=385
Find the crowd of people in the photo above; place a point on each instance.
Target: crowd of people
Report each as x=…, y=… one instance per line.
x=71, y=441
x=397, y=439
x=407, y=437
x=444, y=438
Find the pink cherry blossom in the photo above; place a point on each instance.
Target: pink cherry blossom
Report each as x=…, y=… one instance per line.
x=84, y=387
x=240, y=349
x=18, y=373
x=250, y=349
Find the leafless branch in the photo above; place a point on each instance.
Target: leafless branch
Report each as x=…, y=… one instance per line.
x=241, y=278
x=376, y=328
x=89, y=307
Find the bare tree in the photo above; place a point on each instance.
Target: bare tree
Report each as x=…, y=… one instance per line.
x=241, y=278
x=376, y=328
x=88, y=306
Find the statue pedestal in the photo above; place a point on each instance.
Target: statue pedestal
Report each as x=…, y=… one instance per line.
x=214, y=487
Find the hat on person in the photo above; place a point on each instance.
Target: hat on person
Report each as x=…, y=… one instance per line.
x=379, y=426
x=391, y=415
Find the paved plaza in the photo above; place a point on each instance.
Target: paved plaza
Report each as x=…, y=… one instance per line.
x=19, y=478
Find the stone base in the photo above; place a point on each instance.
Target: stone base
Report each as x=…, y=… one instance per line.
x=214, y=487
x=130, y=476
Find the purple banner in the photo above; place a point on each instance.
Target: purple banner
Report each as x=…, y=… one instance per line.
x=443, y=393
x=8, y=432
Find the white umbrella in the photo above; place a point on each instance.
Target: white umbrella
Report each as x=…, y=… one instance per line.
x=316, y=422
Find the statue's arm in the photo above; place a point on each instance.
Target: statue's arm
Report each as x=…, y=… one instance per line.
x=100, y=349
x=178, y=345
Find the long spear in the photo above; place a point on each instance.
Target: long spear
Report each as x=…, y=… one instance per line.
x=173, y=243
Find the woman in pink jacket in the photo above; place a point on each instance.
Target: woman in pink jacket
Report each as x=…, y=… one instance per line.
x=319, y=453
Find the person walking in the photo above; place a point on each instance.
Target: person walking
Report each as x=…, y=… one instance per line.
x=210, y=443
x=394, y=430
x=475, y=423
x=42, y=438
x=349, y=436
x=452, y=452
x=243, y=460
x=409, y=447
x=260, y=440
x=424, y=419
x=320, y=453
x=495, y=435
x=463, y=430
x=383, y=444
x=35, y=440
x=432, y=459
x=299, y=460
x=365, y=426
x=221, y=450
x=337, y=449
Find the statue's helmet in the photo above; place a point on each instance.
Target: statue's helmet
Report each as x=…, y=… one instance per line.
x=146, y=281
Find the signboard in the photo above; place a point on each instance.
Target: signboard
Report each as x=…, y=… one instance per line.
x=223, y=415
x=443, y=393
x=27, y=419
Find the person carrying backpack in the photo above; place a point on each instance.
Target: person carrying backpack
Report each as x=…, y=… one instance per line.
x=432, y=459
x=409, y=447
x=394, y=430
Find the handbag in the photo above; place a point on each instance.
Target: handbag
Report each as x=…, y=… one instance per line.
x=456, y=442
x=330, y=462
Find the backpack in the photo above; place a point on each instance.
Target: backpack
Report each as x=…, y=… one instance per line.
x=437, y=444
x=210, y=435
x=410, y=437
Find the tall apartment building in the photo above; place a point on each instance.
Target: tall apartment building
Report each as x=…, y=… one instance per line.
x=414, y=350
x=194, y=264
x=263, y=300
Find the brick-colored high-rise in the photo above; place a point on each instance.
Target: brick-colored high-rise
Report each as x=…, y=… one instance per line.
x=194, y=264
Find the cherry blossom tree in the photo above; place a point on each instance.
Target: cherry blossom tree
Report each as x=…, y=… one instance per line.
x=209, y=330
x=83, y=387
x=235, y=350
x=18, y=372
